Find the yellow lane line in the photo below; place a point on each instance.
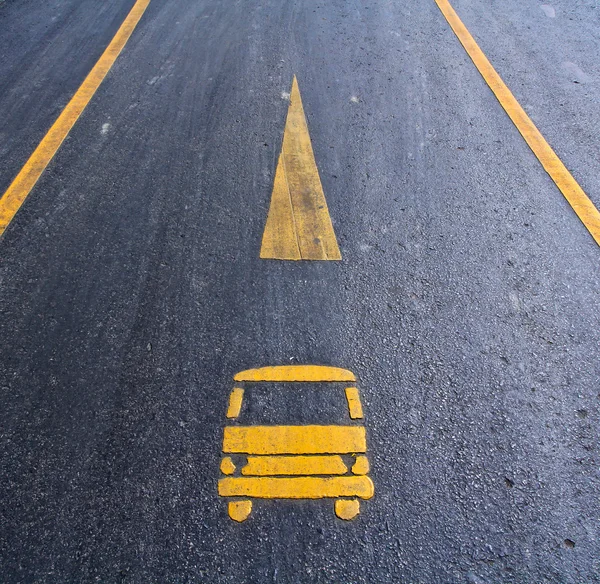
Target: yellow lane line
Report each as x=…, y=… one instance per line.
x=569, y=187
x=235, y=402
x=298, y=225
x=296, y=488
x=294, y=439
x=21, y=186
x=296, y=373
x=265, y=466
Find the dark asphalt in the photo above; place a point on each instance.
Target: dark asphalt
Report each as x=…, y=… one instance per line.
x=467, y=301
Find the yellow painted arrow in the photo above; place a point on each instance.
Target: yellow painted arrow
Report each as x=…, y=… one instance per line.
x=298, y=225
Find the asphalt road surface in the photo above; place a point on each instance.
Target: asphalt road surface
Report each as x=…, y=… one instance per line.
x=467, y=300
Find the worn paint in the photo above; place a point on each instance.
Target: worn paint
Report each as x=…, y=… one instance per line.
x=579, y=201
x=21, y=186
x=298, y=225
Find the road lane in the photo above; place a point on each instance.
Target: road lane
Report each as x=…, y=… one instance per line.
x=551, y=65
x=21, y=186
x=132, y=292
x=47, y=49
x=569, y=187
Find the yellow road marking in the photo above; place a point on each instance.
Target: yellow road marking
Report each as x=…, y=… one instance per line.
x=298, y=225
x=314, y=373
x=569, y=187
x=278, y=465
x=354, y=405
x=280, y=240
x=294, y=465
x=347, y=509
x=297, y=487
x=361, y=466
x=21, y=186
x=239, y=510
x=294, y=439
x=235, y=402
x=228, y=468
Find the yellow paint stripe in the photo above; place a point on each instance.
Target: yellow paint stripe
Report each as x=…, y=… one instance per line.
x=314, y=373
x=235, y=402
x=297, y=488
x=294, y=439
x=354, y=405
x=298, y=225
x=21, y=186
x=294, y=465
x=569, y=187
